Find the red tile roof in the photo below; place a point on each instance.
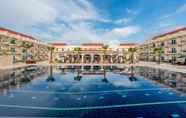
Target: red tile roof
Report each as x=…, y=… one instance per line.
x=168, y=33
x=128, y=44
x=17, y=33
x=58, y=44
x=92, y=44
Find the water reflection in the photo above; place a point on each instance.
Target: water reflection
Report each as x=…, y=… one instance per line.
x=79, y=75
x=105, y=80
x=132, y=75
x=16, y=78
x=50, y=77
x=172, y=79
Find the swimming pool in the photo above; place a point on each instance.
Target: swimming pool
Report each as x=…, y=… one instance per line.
x=52, y=92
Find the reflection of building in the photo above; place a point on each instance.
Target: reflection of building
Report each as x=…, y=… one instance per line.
x=91, y=53
x=20, y=45
x=173, y=79
x=173, y=43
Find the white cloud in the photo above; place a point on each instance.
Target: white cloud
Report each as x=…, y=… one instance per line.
x=126, y=31
x=77, y=10
x=122, y=21
x=132, y=12
x=89, y=34
x=25, y=13
x=61, y=17
x=181, y=9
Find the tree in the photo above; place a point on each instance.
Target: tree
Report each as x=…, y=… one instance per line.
x=132, y=52
x=51, y=49
x=13, y=50
x=105, y=48
x=26, y=46
x=78, y=51
x=159, y=51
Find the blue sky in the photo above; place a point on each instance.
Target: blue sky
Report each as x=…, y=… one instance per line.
x=82, y=21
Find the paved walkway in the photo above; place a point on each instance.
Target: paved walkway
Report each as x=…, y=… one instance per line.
x=165, y=66
x=19, y=65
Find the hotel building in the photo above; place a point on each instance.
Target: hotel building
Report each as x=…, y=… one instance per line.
x=173, y=43
x=16, y=47
x=91, y=53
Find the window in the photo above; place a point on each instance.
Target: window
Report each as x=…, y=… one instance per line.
x=162, y=44
x=173, y=41
x=173, y=50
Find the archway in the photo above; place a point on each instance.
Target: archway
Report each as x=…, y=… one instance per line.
x=120, y=59
x=107, y=58
x=96, y=58
x=87, y=58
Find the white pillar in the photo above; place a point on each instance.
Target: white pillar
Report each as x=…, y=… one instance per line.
x=111, y=58
x=82, y=58
x=82, y=67
x=120, y=59
x=101, y=58
x=102, y=67
x=92, y=58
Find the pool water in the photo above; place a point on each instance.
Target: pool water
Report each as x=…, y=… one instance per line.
x=61, y=94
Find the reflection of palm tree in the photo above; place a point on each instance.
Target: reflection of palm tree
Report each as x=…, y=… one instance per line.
x=78, y=51
x=13, y=77
x=51, y=49
x=27, y=77
x=105, y=48
x=159, y=51
x=132, y=77
x=104, y=78
x=78, y=77
x=132, y=52
x=50, y=77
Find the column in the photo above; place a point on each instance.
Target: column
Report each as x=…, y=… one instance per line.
x=120, y=59
x=92, y=58
x=101, y=58
x=111, y=58
x=82, y=67
x=102, y=67
x=82, y=58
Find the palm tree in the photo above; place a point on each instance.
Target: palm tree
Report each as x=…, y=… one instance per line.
x=105, y=48
x=78, y=51
x=26, y=46
x=13, y=50
x=131, y=52
x=124, y=59
x=159, y=51
x=51, y=49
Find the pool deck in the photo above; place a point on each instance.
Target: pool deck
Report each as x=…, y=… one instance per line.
x=164, y=66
